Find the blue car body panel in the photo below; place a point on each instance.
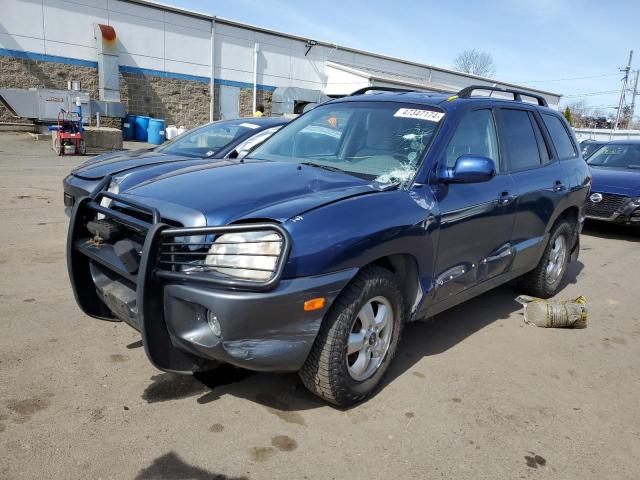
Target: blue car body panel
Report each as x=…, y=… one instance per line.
x=140, y=165
x=622, y=181
x=214, y=190
x=121, y=161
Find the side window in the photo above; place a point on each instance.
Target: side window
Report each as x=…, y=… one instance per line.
x=521, y=139
x=563, y=142
x=542, y=145
x=476, y=135
x=245, y=147
x=321, y=137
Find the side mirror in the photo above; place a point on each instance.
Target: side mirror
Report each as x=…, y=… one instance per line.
x=470, y=169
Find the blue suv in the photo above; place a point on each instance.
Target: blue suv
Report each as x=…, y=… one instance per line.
x=311, y=253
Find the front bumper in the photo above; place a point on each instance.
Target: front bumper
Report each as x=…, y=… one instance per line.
x=260, y=330
x=613, y=208
x=620, y=218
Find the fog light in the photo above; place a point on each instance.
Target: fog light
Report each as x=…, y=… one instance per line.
x=213, y=322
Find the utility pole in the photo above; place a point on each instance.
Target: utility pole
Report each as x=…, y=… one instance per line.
x=633, y=98
x=625, y=80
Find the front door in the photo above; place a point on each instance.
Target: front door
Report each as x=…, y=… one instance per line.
x=476, y=219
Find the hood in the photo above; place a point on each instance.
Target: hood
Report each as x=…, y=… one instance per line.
x=145, y=172
x=118, y=162
x=226, y=192
x=621, y=181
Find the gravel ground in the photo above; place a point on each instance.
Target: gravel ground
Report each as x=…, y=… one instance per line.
x=473, y=394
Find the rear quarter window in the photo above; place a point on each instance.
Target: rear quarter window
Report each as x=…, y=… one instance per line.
x=560, y=137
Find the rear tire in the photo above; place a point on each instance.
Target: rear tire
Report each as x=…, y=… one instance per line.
x=544, y=280
x=357, y=340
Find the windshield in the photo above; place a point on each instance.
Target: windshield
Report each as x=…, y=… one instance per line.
x=617, y=156
x=207, y=140
x=381, y=141
x=589, y=149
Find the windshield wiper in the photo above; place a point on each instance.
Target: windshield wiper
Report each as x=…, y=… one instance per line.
x=633, y=166
x=325, y=167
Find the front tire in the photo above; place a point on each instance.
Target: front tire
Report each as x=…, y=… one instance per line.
x=357, y=340
x=545, y=279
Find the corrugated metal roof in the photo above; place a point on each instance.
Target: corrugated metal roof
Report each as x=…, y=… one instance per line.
x=392, y=77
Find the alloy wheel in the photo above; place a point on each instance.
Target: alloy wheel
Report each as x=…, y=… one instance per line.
x=369, y=338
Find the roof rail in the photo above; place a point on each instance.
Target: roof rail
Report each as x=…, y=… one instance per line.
x=379, y=89
x=517, y=94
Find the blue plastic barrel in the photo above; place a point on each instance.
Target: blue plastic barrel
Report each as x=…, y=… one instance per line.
x=156, y=131
x=142, y=124
x=129, y=127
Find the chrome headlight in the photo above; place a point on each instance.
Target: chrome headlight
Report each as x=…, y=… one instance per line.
x=246, y=255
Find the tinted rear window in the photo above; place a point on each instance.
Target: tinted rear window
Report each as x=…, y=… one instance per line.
x=521, y=139
x=560, y=136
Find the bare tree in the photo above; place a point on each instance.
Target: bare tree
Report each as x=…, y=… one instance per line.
x=475, y=62
x=579, y=113
x=584, y=116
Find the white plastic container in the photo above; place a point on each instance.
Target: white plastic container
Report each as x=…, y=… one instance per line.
x=170, y=132
x=181, y=129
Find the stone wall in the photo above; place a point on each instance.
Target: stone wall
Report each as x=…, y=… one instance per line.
x=246, y=101
x=179, y=102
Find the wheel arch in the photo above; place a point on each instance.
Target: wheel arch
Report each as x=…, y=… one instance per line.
x=405, y=267
x=570, y=213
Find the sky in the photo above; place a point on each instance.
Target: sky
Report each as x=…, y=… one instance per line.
x=546, y=44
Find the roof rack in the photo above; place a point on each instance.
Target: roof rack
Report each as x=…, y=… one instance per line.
x=517, y=94
x=379, y=89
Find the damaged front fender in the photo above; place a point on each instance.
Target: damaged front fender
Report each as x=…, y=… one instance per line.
x=264, y=331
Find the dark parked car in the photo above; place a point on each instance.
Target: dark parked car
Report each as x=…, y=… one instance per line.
x=216, y=140
x=360, y=215
x=589, y=147
x=615, y=192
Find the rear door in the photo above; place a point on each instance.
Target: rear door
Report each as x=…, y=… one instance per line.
x=476, y=219
x=538, y=179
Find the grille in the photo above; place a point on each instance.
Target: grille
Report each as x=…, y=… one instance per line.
x=607, y=207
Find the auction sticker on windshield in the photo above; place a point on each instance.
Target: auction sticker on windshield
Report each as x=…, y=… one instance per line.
x=428, y=115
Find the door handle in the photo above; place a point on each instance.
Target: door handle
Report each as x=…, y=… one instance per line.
x=505, y=198
x=559, y=186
